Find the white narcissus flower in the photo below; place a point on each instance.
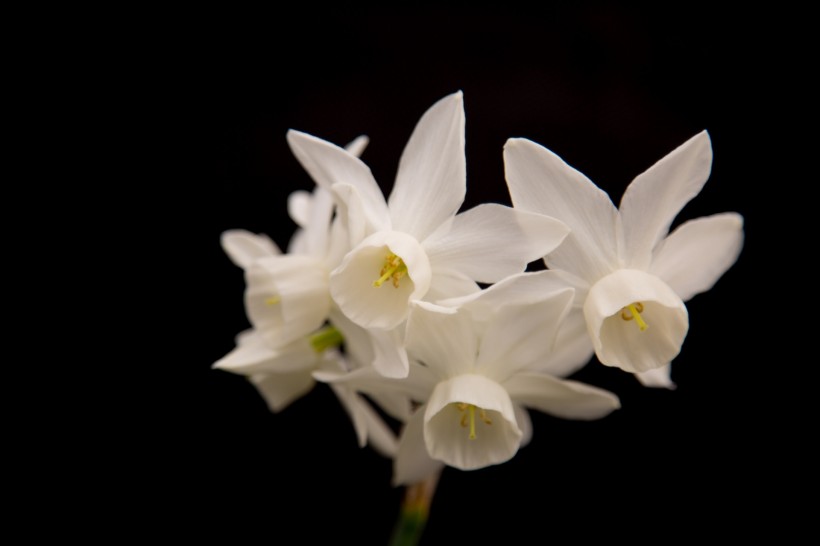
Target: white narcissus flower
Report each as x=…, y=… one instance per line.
x=288, y=304
x=414, y=246
x=473, y=370
x=631, y=278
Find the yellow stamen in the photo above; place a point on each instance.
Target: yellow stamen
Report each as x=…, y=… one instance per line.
x=635, y=310
x=326, y=338
x=472, y=422
x=273, y=300
x=468, y=414
x=393, y=267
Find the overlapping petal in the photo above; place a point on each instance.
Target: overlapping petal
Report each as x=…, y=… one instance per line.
x=653, y=199
x=698, y=253
x=491, y=242
x=561, y=397
x=542, y=182
x=432, y=177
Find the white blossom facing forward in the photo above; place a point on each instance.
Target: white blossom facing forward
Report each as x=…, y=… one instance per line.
x=414, y=247
x=631, y=277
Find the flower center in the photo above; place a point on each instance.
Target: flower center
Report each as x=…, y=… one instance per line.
x=393, y=268
x=633, y=311
x=468, y=415
x=325, y=338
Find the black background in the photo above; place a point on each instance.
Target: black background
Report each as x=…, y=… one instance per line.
x=611, y=90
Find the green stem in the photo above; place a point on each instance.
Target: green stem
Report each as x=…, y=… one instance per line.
x=415, y=509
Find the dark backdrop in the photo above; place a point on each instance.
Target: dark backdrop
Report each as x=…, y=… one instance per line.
x=611, y=90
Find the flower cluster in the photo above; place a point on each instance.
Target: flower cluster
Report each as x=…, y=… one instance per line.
x=382, y=299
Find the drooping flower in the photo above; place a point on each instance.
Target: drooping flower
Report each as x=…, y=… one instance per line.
x=474, y=371
x=295, y=328
x=631, y=277
x=414, y=246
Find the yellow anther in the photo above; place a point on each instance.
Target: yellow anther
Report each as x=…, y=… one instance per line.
x=273, y=300
x=468, y=416
x=634, y=310
x=393, y=268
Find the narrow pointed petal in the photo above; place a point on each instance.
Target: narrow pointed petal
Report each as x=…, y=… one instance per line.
x=328, y=165
x=654, y=198
x=521, y=335
x=446, y=343
x=353, y=406
x=244, y=247
x=253, y=354
x=542, y=182
x=491, y=242
x=561, y=397
x=660, y=378
x=412, y=463
x=619, y=337
x=522, y=417
x=417, y=385
x=281, y=389
x=572, y=349
x=318, y=229
x=389, y=355
x=299, y=207
x=432, y=175
x=447, y=283
x=470, y=423
x=379, y=436
x=698, y=253
x=287, y=297
x=351, y=214
x=386, y=305
x=357, y=145
x=515, y=289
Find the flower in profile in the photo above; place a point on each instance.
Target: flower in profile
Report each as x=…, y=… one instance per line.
x=414, y=246
x=630, y=274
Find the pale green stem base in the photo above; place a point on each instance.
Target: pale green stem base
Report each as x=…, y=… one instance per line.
x=415, y=509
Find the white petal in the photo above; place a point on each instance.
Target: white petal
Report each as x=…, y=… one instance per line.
x=416, y=385
x=351, y=214
x=658, y=378
x=318, y=229
x=491, y=242
x=448, y=424
x=432, y=175
x=244, y=247
x=522, y=417
x=389, y=354
x=386, y=306
x=412, y=463
x=287, y=297
x=446, y=343
x=561, y=397
x=379, y=436
x=357, y=145
x=572, y=349
x=280, y=389
x=447, y=283
x=520, y=335
x=254, y=355
x=357, y=342
x=617, y=338
x=299, y=207
x=515, y=289
x=353, y=405
x=542, y=182
x=328, y=165
x=654, y=198
x=698, y=253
